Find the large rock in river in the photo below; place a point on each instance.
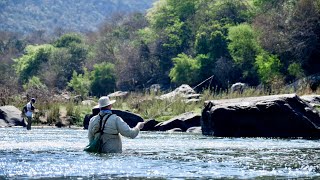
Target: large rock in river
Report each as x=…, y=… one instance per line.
x=285, y=116
x=10, y=116
x=183, y=122
x=130, y=118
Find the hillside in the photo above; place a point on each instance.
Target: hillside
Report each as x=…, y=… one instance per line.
x=76, y=15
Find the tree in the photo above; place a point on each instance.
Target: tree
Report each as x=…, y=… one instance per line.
x=171, y=21
x=67, y=40
x=70, y=55
x=103, y=80
x=269, y=67
x=291, y=29
x=185, y=70
x=34, y=83
x=244, y=48
x=29, y=64
x=80, y=83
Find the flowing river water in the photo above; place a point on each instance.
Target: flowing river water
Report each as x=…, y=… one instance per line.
x=53, y=153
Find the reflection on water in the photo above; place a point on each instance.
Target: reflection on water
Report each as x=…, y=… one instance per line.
x=44, y=153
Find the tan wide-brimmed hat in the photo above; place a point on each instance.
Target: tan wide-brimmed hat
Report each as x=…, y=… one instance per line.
x=105, y=101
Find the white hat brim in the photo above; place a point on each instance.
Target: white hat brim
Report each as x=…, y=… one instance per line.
x=111, y=102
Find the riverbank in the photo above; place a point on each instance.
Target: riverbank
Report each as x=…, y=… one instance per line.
x=161, y=106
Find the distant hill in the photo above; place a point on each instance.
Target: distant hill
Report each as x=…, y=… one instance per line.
x=77, y=15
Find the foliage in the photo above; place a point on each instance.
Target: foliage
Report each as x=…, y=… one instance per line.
x=185, y=70
x=30, y=63
x=291, y=30
x=34, y=83
x=103, y=80
x=295, y=70
x=252, y=41
x=243, y=48
x=53, y=114
x=77, y=51
x=67, y=40
x=51, y=16
x=80, y=83
x=268, y=66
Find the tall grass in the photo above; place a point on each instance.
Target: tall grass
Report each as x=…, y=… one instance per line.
x=53, y=114
x=146, y=104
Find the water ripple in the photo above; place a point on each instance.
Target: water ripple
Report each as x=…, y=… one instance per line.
x=44, y=153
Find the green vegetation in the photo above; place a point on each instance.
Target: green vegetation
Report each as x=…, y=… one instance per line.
x=58, y=16
x=269, y=44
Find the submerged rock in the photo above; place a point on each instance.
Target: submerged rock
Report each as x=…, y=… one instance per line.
x=196, y=129
x=285, y=116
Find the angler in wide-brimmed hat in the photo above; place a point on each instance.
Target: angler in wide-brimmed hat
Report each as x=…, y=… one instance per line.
x=112, y=127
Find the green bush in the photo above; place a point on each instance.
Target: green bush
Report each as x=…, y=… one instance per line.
x=243, y=48
x=295, y=70
x=185, y=69
x=103, y=79
x=80, y=83
x=30, y=63
x=268, y=66
x=34, y=83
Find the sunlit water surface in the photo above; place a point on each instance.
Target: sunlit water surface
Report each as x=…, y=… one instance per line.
x=44, y=153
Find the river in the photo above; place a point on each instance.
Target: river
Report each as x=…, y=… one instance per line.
x=53, y=153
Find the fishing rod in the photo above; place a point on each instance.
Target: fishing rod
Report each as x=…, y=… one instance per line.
x=211, y=77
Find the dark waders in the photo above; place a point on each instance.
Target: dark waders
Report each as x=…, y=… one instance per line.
x=29, y=120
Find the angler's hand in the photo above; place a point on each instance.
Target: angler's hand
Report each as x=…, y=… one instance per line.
x=140, y=125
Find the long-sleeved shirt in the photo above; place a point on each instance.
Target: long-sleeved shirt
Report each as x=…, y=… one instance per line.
x=111, y=132
x=29, y=109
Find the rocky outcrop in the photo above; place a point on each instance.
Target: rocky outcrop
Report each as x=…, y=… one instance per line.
x=184, y=122
x=184, y=91
x=285, y=116
x=11, y=116
x=238, y=87
x=118, y=94
x=314, y=100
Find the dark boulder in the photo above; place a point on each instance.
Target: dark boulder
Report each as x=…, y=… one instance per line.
x=86, y=120
x=183, y=121
x=150, y=125
x=11, y=116
x=285, y=116
x=130, y=118
x=94, y=111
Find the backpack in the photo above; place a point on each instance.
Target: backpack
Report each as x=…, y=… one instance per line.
x=24, y=109
x=96, y=145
